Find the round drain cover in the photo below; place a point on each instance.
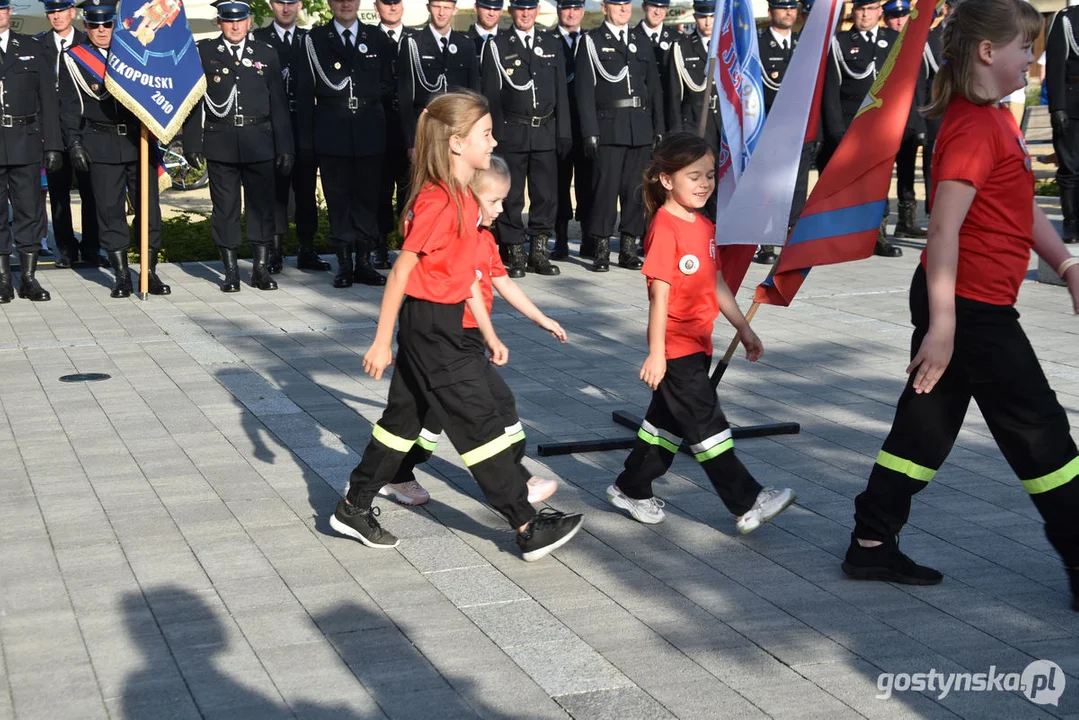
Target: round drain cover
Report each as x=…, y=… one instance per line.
x=85, y=377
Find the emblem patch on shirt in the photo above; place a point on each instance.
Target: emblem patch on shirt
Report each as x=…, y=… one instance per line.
x=689, y=264
x=882, y=43
x=664, y=45
x=633, y=47
x=479, y=274
x=453, y=49
x=1026, y=153
x=362, y=47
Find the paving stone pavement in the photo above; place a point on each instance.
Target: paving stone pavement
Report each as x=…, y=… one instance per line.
x=165, y=549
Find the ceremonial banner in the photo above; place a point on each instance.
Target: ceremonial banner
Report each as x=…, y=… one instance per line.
x=759, y=210
x=842, y=216
x=154, y=67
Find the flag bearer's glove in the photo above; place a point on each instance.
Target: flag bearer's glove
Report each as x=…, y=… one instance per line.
x=53, y=160
x=1059, y=119
x=80, y=159
x=591, y=147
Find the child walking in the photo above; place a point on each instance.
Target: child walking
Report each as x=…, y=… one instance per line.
x=490, y=188
x=432, y=279
x=967, y=341
x=686, y=292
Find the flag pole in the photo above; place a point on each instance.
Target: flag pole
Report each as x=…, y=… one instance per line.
x=144, y=212
x=709, y=86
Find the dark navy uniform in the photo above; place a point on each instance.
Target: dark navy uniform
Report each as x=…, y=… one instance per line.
x=1062, y=81
x=343, y=87
x=621, y=105
x=931, y=59
x=428, y=67
x=303, y=180
x=60, y=181
x=575, y=169
x=686, y=75
x=661, y=42
x=396, y=167
x=524, y=80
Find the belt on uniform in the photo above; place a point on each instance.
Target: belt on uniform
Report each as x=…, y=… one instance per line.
x=1072, y=80
x=112, y=129
x=633, y=102
x=529, y=120
x=352, y=103
x=239, y=120
x=14, y=120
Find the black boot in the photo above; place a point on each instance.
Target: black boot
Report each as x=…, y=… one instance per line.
x=538, y=260
x=261, y=259
x=601, y=255
x=277, y=257
x=153, y=282
x=308, y=259
x=382, y=254
x=628, y=257
x=1067, y=208
x=231, y=282
x=65, y=254
x=588, y=246
x=122, y=287
x=515, y=259
x=6, y=291
x=884, y=246
x=561, y=242
x=908, y=223
x=364, y=273
x=343, y=279
x=766, y=255
x=29, y=287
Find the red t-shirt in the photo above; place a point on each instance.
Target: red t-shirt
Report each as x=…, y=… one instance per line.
x=488, y=265
x=683, y=254
x=982, y=145
x=447, y=266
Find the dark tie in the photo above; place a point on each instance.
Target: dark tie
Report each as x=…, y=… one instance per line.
x=528, y=42
x=622, y=37
x=445, y=47
x=3, y=54
x=655, y=40
x=868, y=36
x=347, y=36
x=573, y=39
x=393, y=36
x=236, y=52
x=288, y=37
x=63, y=46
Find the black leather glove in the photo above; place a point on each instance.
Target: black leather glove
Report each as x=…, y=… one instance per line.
x=194, y=159
x=1059, y=119
x=53, y=160
x=591, y=147
x=80, y=159
x=656, y=140
x=564, y=146
x=285, y=162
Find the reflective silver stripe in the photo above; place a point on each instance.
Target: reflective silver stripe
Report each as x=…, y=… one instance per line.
x=668, y=436
x=709, y=443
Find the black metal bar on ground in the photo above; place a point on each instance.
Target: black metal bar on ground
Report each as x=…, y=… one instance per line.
x=633, y=422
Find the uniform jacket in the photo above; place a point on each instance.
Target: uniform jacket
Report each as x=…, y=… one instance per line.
x=286, y=56
x=330, y=78
x=28, y=87
x=661, y=50
x=522, y=84
x=395, y=133
x=853, y=64
x=774, y=62
x=84, y=102
x=601, y=60
x=240, y=91
x=686, y=73
x=422, y=71
x=1062, y=62
x=52, y=54
x=569, y=59
x=473, y=34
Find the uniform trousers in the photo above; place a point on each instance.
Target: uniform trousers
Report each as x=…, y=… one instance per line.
x=574, y=170
x=436, y=373
x=396, y=176
x=685, y=407
x=993, y=363
x=1066, y=146
x=112, y=183
x=226, y=180
x=507, y=407
x=616, y=181
x=905, y=161
x=302, y=182
x=21, y=186
x=60, y=203
x=351, y=186
x=540, y=169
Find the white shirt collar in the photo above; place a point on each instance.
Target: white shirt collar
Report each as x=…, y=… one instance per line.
x=651, y=33
x=281, y=31
x=438, y=38
x=617, y=30
x=522, y=35
x=387, y=29
x=706, y=41
x=789, y=37
x=70, y=39
x=873, y=34
x=229, y=46
x=341, y=30
x=4, y=38
x=485, y=33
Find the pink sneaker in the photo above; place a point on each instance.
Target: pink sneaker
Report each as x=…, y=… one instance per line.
x=406, y=493
x=539, y=489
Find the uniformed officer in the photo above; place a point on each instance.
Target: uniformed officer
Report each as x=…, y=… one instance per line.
x=29, y=124
x=1062, y=82
x=856, y=56
x=102, y=138
x=488, y=13
x=61, y=14
x=932, y=57
x=524, y=79
x=245, y=134
x=576, y=169
x=654, y=33
x=686, y=79
x=432, y=62
x=896, y=13
x=284, y=36
x=344, y=82
x=621, y=105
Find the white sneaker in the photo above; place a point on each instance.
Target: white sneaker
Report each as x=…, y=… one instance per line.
x=539, y=489
x=770, y=502
x=649, y=511
x=406, y=493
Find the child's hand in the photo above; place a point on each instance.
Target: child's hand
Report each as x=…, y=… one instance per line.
x=653, y=370
x=500, y=354
x=753, y=345
x=376, y=359
x=932, y=360
x=554, y=328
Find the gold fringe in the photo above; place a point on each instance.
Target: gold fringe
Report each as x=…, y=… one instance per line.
x=166, y=133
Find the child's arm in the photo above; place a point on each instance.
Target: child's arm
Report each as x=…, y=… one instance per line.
x=512, y=293
x=1051, y=249
x=380, y=355
x=729, y=307
x=655, y=365
x=950, y=206
x=500, y=355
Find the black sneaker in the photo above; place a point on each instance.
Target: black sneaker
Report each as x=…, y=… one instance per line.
x=886, y=562
x=547, y=532
x=361, y=524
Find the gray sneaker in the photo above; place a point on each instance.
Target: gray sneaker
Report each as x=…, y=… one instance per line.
x=649, y=511
x=770, y=502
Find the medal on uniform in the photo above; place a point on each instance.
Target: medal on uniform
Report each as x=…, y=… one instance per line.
x=453, y=49
x=509, y=72
x=224, y=71
x=221, y=48
x=246, y=62
x=775, y=74
x=539, y=51
x=249, y=50
x=689, y=264
x=633, y=47
x=216, y=80
x=362, y=47
x=882, y=43
x=95, y=87
x=337, y=66
x=664, y=45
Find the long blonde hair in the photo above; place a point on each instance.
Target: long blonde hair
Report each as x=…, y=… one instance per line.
x=445, y=116
x=971, y=22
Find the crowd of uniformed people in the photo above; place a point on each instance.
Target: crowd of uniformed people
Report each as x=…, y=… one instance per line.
x=576, y=116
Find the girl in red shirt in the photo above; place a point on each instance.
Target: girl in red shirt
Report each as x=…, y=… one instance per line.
x=686, y=292
x=967, y=341
x=426, y=292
